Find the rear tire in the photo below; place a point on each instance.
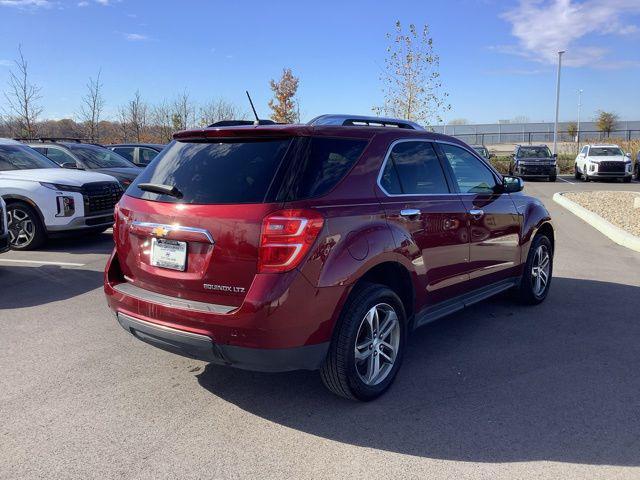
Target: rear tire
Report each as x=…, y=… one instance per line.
x=538, y=271
x=350, y=369
x=26, y=231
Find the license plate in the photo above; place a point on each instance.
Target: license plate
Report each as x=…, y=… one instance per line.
x=168, y=254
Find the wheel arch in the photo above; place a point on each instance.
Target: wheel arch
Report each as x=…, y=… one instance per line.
x=15, y=198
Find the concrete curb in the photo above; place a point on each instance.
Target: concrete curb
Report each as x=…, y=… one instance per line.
x=616, y=234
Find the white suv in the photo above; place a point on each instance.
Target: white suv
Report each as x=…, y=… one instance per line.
x=43, y=199
x=4, y=232
x=603, y=161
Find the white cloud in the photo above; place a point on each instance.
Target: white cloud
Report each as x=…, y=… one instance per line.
x=544, y=27
x=135, y=37
x=6, y=63
x=26, y=3
x=83, y=4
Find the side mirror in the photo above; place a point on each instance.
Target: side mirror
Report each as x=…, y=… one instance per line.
x=69, y=165
x=492, y=155
x=512, y=184
x=555, y=155
x=628, y=155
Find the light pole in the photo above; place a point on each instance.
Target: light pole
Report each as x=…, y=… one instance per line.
x=555, y=125
x=578, y=126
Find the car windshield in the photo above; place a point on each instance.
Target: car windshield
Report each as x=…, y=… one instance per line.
x=534, y=152
x=482, y=151
x=99, y=157
x=20, y=157
x=605, y=152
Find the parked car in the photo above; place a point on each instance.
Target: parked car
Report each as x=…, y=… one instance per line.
x=534, y=161
x=140, y=154
x=318, y=246
x=87, y=156
x=603, y=161
x=637, y=166
x=45, y=200
x=482, y=151
x=4, y=231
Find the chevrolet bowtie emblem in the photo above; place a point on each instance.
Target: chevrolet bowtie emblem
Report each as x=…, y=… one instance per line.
x=160, y=231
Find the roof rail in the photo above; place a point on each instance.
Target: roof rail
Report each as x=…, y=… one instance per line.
x=363, y=120
x=55, y=139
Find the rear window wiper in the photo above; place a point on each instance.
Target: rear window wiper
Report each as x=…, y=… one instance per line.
x=160, y=188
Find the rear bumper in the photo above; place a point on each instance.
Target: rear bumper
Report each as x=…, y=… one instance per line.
x=4, y=243
x=284, y=322
x=202, y=347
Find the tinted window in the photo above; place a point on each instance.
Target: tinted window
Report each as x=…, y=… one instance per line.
x=534, y=152
x=60, y=156
x=482, y=151
x=471, y=175
x=99, y=157
x=413, y=168
x=209, y=173
x=145, y=155
x=126, y=152
x=318, y=164
x=19, y=157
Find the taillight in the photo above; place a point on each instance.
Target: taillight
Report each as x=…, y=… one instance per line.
x=286, y=238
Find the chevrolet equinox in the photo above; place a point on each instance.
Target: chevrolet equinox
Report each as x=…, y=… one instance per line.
x=318, y=246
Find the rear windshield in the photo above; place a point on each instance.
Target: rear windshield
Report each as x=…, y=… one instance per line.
x=254, y=171
x=20, y=157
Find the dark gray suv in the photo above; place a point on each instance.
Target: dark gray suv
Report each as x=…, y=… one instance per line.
x=534, y=161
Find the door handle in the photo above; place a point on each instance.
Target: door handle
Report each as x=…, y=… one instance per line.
x=476, y=213
x=410, y=212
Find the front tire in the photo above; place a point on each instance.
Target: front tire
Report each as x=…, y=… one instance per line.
x=538, y=270
x=553, y=178
x=576, y=172
x=26, y=231
x=368, y=344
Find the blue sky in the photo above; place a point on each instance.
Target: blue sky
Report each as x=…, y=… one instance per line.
x=497, y=56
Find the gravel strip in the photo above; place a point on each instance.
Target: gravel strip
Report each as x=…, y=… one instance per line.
x=620, y=208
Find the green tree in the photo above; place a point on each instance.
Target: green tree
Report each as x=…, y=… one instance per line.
x=572, y=129
x=606, y=121
x=411, y=77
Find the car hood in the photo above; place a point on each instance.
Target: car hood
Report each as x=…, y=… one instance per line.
x=611, y=158
x=63, y=176
x=121, y=173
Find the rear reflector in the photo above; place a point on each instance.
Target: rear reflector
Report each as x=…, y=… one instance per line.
x=286, y=238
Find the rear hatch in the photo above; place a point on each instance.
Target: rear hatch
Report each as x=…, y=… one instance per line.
x=200, y=238
x=224, y=193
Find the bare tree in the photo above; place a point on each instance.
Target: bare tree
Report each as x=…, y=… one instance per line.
x=91, y=107
x=183, y=112
x=217, y=110
x=285, y=105
x=411, y=79
x=22, y=98
x=123, y=123
x=161, y=118
x=136, y=116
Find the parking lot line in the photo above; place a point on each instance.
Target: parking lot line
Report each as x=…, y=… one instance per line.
x=42, y=262
x=566, y=181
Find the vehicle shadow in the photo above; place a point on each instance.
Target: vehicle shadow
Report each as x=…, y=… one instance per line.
x=80, y=244
x=498, y=382
x=22, y=287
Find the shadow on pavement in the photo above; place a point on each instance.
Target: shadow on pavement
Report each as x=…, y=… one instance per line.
x=30, y=286
x=498, y=382
x=77, y=244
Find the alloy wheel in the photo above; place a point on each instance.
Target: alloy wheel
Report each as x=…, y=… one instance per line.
x=377, y=343
x=21, y=227
x=540, y=270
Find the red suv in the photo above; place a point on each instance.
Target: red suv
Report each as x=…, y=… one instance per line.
x=318, y=246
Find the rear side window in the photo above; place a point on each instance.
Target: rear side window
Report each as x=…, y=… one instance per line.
x=214, y=173
x=126, y=152
x=413, y=168
x=318, y=164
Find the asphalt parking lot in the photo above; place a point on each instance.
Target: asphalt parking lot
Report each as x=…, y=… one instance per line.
x=496, y=391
